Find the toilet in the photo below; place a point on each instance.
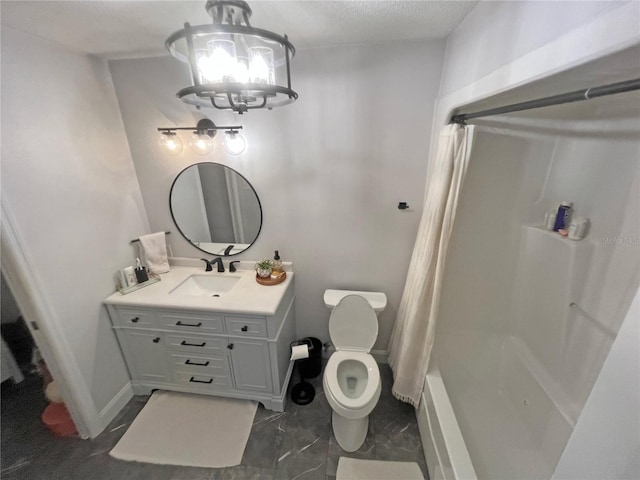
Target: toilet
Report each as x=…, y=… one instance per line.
x=351, y=378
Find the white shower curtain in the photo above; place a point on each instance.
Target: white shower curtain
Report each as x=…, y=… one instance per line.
x=414, y=330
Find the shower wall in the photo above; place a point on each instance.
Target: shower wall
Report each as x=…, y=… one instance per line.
x=527, y=317
x=513, y=179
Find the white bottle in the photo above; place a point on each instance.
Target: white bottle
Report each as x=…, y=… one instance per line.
x=550, y=218
x=130, y=276
x=122, y=279
x=578, y=228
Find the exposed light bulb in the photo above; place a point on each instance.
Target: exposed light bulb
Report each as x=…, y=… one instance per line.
x=201, y=143
x=220, y=64
x=234, y=143
x=261, y=67
x=207, y=69
x=170, y=142
x=242, y=70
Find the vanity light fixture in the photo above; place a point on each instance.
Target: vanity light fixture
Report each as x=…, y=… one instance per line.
x=201, y=141
x=233, y=65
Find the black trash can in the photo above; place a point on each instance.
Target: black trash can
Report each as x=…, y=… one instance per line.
x=312, y=366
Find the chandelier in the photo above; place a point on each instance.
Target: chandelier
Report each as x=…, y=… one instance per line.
x=233, y=65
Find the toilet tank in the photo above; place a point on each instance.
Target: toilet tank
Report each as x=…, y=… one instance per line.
x=377, y=300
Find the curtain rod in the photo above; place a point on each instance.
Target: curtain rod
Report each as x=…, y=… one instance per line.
x=575, y=96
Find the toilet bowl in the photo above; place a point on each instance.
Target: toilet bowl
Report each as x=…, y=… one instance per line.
x=351, y=378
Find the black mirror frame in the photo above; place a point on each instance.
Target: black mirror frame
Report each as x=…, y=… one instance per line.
x=187, y=238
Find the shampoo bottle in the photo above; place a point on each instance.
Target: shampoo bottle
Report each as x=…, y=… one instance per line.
x=563, y=217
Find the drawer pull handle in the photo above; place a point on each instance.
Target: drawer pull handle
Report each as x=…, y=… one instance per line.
x=201, y=381
x=186, y=344
x=135, y=320
x=156, y=340
x=230, y=346
x=199, y=324
x=189, y=362
x=245, y=328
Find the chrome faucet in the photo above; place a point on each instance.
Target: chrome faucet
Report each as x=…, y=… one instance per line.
x=210, y=264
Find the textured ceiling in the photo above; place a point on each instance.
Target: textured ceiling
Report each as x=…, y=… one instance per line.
x=132, y=28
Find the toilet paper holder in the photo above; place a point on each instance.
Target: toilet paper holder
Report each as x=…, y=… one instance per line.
x=303, y=392
x=301, y=349
x=303, y=341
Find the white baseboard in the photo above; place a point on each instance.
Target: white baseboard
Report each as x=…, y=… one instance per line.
x=117, y=403
x=381, y=356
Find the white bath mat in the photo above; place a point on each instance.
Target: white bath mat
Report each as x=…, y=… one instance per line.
x=356, y=469
x=188, y=430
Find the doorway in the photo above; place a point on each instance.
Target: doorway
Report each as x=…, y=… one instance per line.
x=41, y=321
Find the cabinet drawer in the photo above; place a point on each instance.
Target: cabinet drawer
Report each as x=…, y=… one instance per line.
x=246, y=326
x=206, y=365
x=134, y=317
x=203, y=381
x=192, y=343
x=191, y=322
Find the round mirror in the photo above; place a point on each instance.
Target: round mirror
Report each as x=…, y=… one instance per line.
x=215, y=208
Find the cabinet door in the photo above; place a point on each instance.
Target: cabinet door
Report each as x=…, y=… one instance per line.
x=145, y=355
x=250, y=364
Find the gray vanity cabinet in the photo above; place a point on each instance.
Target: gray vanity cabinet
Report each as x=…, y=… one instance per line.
x=145, y=352
x=209, y=352
x=251, y=365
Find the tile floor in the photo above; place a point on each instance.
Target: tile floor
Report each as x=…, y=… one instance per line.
x=295, y=445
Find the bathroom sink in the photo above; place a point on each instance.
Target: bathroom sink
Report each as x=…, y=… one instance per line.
x=205, y=285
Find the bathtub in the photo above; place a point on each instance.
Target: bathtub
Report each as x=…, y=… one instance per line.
x=444, y=448
x=489, y=411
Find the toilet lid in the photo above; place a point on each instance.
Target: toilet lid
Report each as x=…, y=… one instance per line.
x=353, y=324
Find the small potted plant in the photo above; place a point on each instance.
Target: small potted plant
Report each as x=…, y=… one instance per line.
x=263, y=268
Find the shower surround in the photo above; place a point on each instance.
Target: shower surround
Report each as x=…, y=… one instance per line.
x=527, y=316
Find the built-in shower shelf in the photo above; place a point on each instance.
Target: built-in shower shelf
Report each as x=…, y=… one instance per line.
x=563, y=240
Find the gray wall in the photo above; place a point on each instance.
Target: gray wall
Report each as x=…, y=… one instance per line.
x=329, y=169
x=72, y=193
x=216, y=201
x=187, y=204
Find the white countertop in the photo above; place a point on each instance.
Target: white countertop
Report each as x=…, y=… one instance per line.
x=247, y=296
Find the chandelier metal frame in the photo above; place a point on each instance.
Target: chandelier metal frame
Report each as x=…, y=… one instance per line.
x=231, y=17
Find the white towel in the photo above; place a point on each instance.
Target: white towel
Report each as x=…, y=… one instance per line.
x=153, y=249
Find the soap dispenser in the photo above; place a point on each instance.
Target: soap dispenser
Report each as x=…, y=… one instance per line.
x=276, y=269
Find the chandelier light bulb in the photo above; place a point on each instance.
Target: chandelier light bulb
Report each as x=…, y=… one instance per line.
x=261, y=67
x=205, y=67
x=234, y=143
x=242, y=70
x=171, y=143
x=221, y=64
x=233, y=65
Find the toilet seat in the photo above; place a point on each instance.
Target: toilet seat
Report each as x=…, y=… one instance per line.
x=371, y=391
x=353, y=324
